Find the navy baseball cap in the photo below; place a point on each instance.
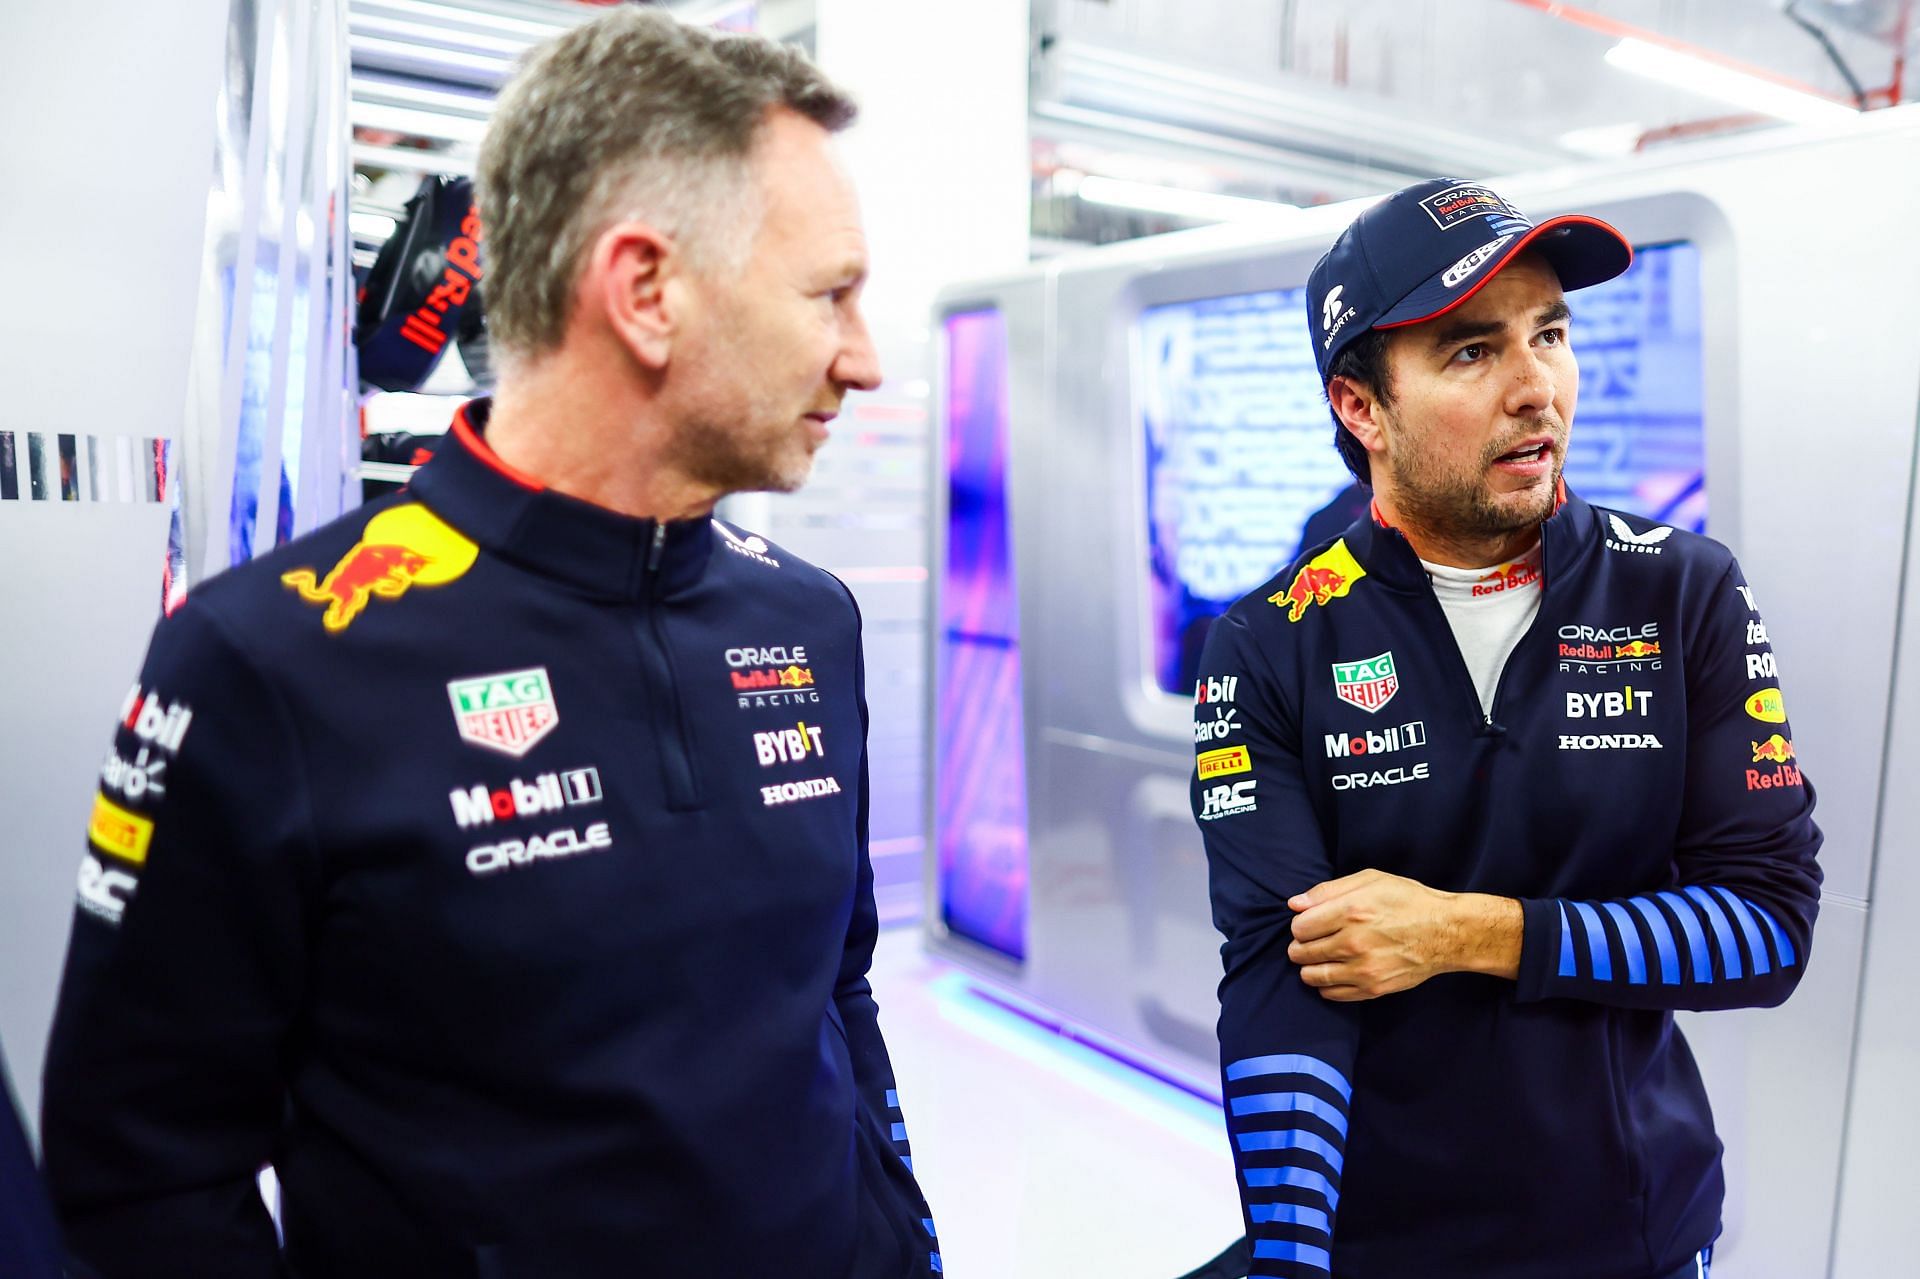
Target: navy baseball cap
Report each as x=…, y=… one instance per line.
x=1429, y=247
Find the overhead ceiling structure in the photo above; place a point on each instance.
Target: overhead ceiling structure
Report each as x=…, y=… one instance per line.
x=1296, y=102
x=1146, y=112
x=426, y=72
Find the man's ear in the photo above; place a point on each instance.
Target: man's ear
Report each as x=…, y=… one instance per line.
x=627, y=278
x=1359, y=411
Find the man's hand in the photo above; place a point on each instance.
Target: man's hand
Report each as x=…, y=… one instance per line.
x=1372, y=934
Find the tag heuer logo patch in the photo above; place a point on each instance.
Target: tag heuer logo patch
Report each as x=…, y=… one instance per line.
x=508, y=712
x=1369, y=685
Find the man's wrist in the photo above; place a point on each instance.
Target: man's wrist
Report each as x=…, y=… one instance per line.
x=1486, y=935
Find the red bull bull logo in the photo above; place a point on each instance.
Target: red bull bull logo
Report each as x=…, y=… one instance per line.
x=1639, y=648
x=1775, y=749
x=1508, y=577
x=771, y=678
x=1323, y=579
x=400, y=548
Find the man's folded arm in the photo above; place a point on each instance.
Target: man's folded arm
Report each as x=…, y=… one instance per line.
x=1286, y=1054
x=1735, y=926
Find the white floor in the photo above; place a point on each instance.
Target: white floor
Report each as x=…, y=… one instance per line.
x=1043, y=1159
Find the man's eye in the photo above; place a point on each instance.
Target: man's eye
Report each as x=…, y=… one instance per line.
x=1470, y=354
x=1554, y=337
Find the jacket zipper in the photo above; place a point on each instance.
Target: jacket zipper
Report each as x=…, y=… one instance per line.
x=675, y=745
x=1488, y=726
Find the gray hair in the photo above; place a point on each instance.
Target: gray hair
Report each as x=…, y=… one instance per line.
x=633, y=115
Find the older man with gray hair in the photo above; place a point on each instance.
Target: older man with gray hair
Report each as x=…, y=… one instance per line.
x=492, y=861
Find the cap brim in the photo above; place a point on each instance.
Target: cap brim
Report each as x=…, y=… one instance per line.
x=1581, y=250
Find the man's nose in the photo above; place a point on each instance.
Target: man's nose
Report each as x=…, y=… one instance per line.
x=858, y=364
x=1531, y=385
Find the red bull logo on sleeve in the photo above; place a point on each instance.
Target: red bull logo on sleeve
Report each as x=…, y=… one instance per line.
x=1777, y=750
x=1323, y=579
x=400, y=548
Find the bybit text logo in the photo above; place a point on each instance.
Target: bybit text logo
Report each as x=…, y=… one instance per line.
x=790, y=745
x=1610, y=705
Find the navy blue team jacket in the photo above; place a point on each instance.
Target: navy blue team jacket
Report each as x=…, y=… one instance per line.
x=493, y=866
x=1635, y=786
x=29, y=1242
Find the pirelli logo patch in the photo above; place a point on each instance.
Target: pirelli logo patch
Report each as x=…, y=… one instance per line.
x=1227, y=760
x=115, y=830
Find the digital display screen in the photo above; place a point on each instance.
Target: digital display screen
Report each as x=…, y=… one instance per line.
x=1241, y=471
x=980, y=800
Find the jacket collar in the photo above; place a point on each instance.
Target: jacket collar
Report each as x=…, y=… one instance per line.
x=518, y=518
x=1567, y=538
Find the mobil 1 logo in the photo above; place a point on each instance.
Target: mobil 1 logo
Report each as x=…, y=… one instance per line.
x=1384, y=742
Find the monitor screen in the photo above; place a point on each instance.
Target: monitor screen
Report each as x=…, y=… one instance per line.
x=980, y=788
x=1241, y=472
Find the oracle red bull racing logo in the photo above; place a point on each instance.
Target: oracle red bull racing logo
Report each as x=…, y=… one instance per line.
x=779, y=675
x=400, y=548
x=1598, y=650
x=1326, y=577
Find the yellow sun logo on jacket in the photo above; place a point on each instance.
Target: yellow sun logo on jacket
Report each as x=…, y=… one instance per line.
x=1324, y=578
x=400, y=548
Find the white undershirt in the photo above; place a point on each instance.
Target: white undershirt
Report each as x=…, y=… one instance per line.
x=1489, y=610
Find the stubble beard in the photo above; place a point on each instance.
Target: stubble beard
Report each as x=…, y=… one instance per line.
x=735, y=458
x=1460, y=504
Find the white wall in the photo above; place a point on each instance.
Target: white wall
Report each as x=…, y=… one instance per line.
x=109, y=112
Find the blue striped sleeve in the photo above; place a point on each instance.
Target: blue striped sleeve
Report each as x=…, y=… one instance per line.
x=1662, y=939
x=1267, y=1103
x=1696, y=940
x=1630, y=945
x=1728, y=950
x=1292, y=1064
x=1749, y=928
x=1289, y=1250
x=1782, y=944
x=1596, y=941
x=1288, y=1115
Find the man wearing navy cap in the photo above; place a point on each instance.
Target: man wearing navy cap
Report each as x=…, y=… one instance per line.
x=1511, y=781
